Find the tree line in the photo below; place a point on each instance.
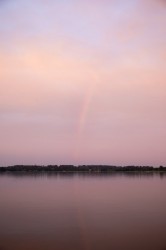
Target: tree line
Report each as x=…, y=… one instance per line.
x=80, y=168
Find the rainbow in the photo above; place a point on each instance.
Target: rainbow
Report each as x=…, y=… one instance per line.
x=83, y=117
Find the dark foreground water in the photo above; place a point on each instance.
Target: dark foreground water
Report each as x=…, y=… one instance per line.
x=83, y=212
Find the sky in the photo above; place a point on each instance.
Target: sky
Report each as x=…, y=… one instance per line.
x=83, y=82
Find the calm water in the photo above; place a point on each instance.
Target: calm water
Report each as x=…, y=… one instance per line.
x=83, y=212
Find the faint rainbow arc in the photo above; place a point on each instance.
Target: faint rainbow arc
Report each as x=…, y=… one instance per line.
x=83, y=116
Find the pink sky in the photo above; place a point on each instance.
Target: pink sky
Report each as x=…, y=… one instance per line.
x=83, y=82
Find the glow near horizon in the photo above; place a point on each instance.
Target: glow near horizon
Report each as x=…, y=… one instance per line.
x=83, y=82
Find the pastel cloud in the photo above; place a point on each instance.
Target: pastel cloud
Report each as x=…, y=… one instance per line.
x=83, y=82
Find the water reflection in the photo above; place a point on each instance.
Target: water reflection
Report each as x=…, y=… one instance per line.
x=64, y=174
x=83, y=211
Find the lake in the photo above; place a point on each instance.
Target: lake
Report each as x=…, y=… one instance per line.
x=83, y=211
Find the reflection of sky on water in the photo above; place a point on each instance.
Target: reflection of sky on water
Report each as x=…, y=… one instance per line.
x=83, y=211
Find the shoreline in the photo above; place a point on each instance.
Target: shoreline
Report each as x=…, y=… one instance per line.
x=83, y=169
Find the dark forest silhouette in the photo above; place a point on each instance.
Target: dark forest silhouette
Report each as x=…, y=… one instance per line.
x=80, y=168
